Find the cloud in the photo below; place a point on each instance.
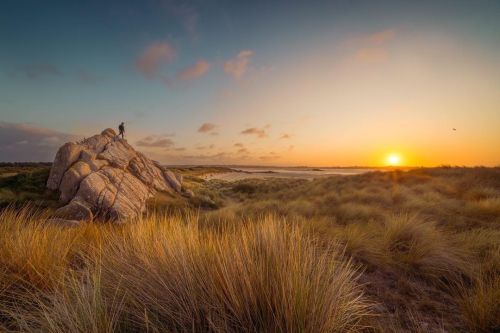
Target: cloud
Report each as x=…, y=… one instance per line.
x=207, y=128
x=371, y=55
x=195, y=71
x=212, y=146
x=185, y=12
x=260, y=133
x=154, y=141
x=286, y=136
x=189, y=18
x=180, y=149
x=372, y=48
x=36, y=71
x=381, y=37
x=243, y=151
x=239, y=144
x=214, y=157
x=149, y=62
x=237, y=67
x=272, y=156
x=24, y=142
x=269, y=157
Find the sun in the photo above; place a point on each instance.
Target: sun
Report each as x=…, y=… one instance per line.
x=393, y=159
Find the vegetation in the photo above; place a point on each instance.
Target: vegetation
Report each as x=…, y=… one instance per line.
x=413, y=251
x=22, y=183
x=173, y=274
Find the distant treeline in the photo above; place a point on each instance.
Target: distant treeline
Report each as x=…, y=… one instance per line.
x=25, y=164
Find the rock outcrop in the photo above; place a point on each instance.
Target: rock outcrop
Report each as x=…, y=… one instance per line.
x=104, y=178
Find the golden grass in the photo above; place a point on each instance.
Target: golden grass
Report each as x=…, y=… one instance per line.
x=362, y=241
x=31, y=251
x=174, y=274
x=355, y=212
x=419, y=249
x=485, y=206
x=480, y=304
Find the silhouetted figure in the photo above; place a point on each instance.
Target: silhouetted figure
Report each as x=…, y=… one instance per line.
x=121, y=128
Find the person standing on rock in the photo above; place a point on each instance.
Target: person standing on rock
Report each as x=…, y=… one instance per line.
x=121, y=128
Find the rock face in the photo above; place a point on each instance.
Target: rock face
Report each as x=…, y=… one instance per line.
x=103, y=177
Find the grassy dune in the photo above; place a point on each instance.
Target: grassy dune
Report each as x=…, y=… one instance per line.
x=427, y=240
x=415, y=251
x=173, y=274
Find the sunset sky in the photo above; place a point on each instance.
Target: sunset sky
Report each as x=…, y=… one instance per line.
x=325, y=83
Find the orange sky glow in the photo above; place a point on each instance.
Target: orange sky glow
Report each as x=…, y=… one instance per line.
x=320, y=84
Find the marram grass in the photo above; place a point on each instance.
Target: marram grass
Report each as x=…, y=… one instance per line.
x=171, y=274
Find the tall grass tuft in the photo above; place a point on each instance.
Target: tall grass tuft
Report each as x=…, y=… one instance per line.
x=31, y=251
x=419, y=247
x=480, y=304
x=265, y=276
x=176, y=274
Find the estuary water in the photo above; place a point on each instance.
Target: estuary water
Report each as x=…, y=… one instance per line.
x=238, y=173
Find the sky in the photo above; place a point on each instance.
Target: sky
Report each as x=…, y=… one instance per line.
x=317, y=83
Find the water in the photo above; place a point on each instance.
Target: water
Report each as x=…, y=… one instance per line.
x=283, y=172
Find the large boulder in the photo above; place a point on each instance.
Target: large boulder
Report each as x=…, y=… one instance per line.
x=105, y=178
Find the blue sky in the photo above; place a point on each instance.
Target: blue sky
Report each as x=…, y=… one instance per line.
x=265, y=74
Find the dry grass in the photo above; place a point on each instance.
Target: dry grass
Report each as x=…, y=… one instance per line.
x=419, y=249
x=173, y=274
x=417, y=235
x=480, y=304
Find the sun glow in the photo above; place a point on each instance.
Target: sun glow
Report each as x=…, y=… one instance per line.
x=393, y=159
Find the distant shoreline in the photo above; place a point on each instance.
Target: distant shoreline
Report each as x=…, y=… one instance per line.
x=235, y=166
x=239, y=173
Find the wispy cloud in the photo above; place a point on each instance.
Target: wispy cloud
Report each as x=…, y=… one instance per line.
x=238, y=66
x=242, y=151
x=381, y=37
x=29, y=142
x=372, y=48
x=185, y=12
x=259, y=132
x=36, y=71
x=151, y=59
x=270, y=157
x=239, y=144
x=195, y=71
x=154, y=141
x=211, y=157
x=369, y=55
x=286, y=136
x=207, y=128
x=211, y=146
